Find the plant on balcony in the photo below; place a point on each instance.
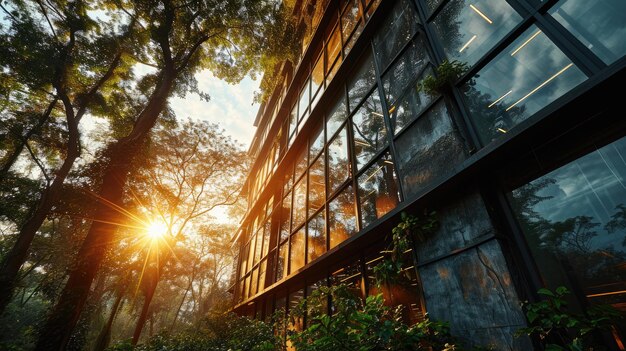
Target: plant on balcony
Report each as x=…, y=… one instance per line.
x=558, y=328
x=448, y=72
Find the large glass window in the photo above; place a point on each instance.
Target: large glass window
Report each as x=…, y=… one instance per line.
x=407, y=108
x=378, y=190
x=530, y=73
x=317, y=237
x=429, y=149
x=597, y=24
x=303, y=104
x=368, y=127
x=296, y=256
x=285, y=217
x=317, y=187
x=361, y=81
x=341, y=217
x=405, y=70
x=335, y=117
x=352, y=24
x=317, y=143
x=574, y=220
x=281, y=264
x=299, y=203
x=398, y=28
x=338, y=162
x=468, y=29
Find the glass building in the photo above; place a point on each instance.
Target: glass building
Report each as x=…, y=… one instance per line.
x=523, y=158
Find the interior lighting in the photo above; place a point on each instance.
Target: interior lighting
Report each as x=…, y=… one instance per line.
x=500, y=98
x=481, y=14
x=468, y=42
x=377, y=114
x=501, y=130
x=541, y=85
x=525, y=43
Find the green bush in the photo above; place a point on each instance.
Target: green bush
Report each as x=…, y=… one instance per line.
x=225, y=332
x=558, y=328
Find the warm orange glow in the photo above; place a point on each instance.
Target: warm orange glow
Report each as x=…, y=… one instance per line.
x=156, y=230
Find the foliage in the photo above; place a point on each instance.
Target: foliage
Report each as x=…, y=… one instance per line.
x=558, y=328
x=419, y=228
x=215, y=332
x=362, y=325
x=447, y=73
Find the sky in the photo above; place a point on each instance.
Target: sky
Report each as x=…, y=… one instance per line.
x=230, y=106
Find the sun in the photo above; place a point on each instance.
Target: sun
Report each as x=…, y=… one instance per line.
x=156, y=230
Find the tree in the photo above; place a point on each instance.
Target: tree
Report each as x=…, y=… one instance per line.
x=82, y=64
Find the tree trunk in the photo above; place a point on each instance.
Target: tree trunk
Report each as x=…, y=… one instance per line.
x=102, y=342
x=182, y=302
x=145, y=308
x=62, y=321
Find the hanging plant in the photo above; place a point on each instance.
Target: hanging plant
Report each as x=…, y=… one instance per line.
x=448, y=72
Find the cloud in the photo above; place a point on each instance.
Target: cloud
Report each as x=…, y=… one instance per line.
x=230, y=106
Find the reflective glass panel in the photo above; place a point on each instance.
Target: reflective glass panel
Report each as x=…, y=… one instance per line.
x=299, y=203
x=336, y=116
x=368, y=128
x=352, y=24
x=304, y=101
x=285, y=217
x=378, y=190
x=266, y=237
x=574, y=220
x=317, y=187
x=397, y=29
x=281, y=264
x=600, y=25
x=293, y=120
x=429, y=149
x=408, y=107
x=296, y=257
x=350, y=276
x=253, y=282
x=333, y=48
x=338, y=163
x=341, y=217
x=301, y=163
x=405, y=70
x=317, y=78
x=361, y=81
x=317, y=237
x=528, y=75
x=468, y=29
x=262, y=268
x=258, y=246
x=317, y=143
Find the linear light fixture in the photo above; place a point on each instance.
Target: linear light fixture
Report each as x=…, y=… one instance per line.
x=541, y=85
x=526, y=42
x=388, y=162
x=374, y=260
x=377, y=114
x=393, y=108
x=608, y=293
x=501, y=130
x=500, y=98
x=373, y=174
x=481, y=14
x=468, y=42
x=356, y=141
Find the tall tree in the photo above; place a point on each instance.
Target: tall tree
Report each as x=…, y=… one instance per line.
x=228, y=37
x=81, y=64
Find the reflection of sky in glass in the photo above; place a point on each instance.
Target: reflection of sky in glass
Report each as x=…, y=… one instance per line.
x=600, y=25
x=368, y=126
x=470, y=29
x=593, y=185
x=397, y=29
x=528, y=75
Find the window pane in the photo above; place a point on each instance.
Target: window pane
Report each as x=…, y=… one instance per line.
x=301, y=163
x=597, y=24
x=341, y=217
x=251, y=253
x=405, y=70
x=299, y=203
x=253, y=282
x=266, y=237
x=333, y=47
x=407, y=108
x=351, y=276
x=262, y=268
x=317, y=143
x=338, y=163
x=370, y=133
x=351, y=24
x=303, y=102
x=317, y=76
x=317, y=188
x=378, y=190
x=574, y=220
x=336, y=117
x=259, y=246
x=361, y=81
x=531, y=73
x=281, y=265
x=397, y=29
x=285, y=218
x=296, y=257
x=317, y=237
x=429, y=149
x=293, y=120
x=468, y=29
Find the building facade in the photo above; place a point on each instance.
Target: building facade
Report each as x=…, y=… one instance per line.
x=523, y=158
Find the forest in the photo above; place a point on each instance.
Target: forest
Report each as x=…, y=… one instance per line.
x=116, y=215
